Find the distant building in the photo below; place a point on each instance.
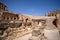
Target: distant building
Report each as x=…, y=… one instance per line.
x=3, y=7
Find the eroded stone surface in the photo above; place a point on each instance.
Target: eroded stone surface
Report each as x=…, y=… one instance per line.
x=52, y=34
x=27, y=27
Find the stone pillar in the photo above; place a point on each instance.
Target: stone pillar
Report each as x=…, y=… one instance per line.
x=58, y=21
x=5, y=18
x=9, y=18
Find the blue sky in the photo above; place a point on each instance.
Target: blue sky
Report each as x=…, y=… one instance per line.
x=32, y=7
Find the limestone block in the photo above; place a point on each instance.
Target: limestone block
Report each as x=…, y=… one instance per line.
x=52, y=34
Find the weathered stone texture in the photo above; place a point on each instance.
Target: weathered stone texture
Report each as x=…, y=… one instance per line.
x=57, y=15
x=26, y=27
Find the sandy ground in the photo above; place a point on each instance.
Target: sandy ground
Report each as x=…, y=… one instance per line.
x=25, y=37
x=50, y=34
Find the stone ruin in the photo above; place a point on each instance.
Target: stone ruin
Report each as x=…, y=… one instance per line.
x=27, y=27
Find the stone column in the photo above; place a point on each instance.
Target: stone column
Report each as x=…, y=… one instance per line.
x=58, y=21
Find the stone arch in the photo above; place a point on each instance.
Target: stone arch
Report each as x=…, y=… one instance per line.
x=54, y=22
x=7, y=18
x=26, y=19
x=15, y=18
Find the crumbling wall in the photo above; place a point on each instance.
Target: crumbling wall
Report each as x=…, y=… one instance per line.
x=55, y=13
